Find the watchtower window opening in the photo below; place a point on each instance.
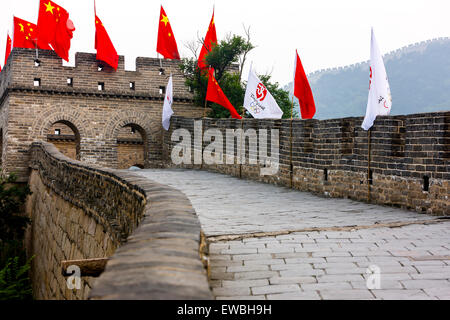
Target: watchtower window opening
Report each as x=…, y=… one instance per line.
x=325, y=174
x=161, y=71
x=162, y=90
x=70, y=82
x=100, y=67
x=132, y=85
x=101, y=86
x=37, y=82
x=37, y=63
x=426, y=183
x=57, y=132
x=133, y=130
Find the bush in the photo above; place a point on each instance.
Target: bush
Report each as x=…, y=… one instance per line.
x=14, y=266
x=14, y=280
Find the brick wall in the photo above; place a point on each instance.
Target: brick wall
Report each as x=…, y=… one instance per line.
x=82, y=211
x=330, y=157
x=28, y=112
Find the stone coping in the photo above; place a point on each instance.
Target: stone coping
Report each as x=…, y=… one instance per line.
x=160, y=259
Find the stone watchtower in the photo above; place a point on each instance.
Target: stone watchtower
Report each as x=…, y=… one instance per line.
x=90, y=112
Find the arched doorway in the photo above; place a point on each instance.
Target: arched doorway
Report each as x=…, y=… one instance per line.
x=131, y=146
x=66, y=137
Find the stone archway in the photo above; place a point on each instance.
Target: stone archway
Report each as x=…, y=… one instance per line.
x=48, y=117
x=66, y=137
x=132, y=146
x=148, y=128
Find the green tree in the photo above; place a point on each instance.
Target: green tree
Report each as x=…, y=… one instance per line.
x=228, y=60
x=14, y=266
x=12, y=198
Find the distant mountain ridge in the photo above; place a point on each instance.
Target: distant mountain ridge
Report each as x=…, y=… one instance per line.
x=419, y=77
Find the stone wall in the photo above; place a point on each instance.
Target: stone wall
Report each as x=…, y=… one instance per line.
x=28, y=111
x=409, y=157
x=82, y=211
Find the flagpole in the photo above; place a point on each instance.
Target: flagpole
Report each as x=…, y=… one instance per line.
x=242, y=136
x=291, y=166
x=368, y=163
x=203, y=124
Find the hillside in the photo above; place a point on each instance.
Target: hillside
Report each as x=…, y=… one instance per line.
x=419, y=77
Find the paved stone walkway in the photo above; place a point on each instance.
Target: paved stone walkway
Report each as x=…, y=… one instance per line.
x=413, y=260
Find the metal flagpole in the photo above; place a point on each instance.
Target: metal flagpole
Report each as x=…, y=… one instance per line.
x=368, y=163
x=291, y=166
x=203, y=124
x=242, y=134
x=242, y=138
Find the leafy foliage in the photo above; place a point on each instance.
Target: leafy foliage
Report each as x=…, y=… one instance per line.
x=14, y=280
x=12, y=197
x=14, y=267
x=227, y=59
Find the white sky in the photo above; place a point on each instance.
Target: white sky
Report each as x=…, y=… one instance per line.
x=327, y=33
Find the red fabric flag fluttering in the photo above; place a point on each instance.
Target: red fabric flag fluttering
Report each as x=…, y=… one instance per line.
x=216, y=95
x=8, y=49
x=209, y=43
x=55, y=28
x=105, y=48
x=302, y=90
x=166, y=45
x=25, y=35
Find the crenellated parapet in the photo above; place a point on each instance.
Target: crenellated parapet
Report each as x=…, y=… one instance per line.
x=44, y=71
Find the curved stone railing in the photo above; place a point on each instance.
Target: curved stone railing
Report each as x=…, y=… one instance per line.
x=82, y=211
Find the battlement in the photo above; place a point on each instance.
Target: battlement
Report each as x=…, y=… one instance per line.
x=26, y=72
x=418, y=46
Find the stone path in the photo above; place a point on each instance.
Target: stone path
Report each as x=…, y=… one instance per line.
x=413, y=260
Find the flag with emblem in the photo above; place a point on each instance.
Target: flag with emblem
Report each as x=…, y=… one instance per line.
x=208, y=44
x=167, y=106
x=8, y=48
x=302, y=90
x=55, y=28
x=379, y=101
x=166, y=45
x=215, y=94
x=258, y=100
x=105, y=48
x=25, y=35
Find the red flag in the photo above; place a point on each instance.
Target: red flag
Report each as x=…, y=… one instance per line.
x=166, y=46
x=216, y=95
x=302, y=91
x=105, y=48
x=209, y=43
x=55, y=28
x=25, y=35
x=8, y=49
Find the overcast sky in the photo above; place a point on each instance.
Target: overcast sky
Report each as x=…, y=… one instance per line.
x=327, y=33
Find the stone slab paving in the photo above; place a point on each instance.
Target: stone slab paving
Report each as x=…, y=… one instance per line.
x=414, y=260
x=228, y=205
x=414, y=263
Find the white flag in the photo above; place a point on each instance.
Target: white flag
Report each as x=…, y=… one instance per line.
x=380, y=100
x=258, y=100
x=167, y=107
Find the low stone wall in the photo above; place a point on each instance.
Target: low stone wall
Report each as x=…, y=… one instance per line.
x=409, y=157
x=82, y=211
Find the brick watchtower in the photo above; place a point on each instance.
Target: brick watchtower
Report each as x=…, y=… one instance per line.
x=90, y=112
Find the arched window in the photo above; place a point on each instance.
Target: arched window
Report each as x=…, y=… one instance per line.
x=66, y=137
